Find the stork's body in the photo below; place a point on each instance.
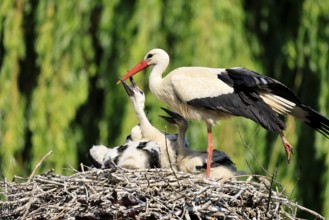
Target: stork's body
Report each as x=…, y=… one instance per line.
x=191, y=82
x=211, y=94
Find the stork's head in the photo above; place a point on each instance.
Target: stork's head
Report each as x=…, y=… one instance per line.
x=136, y=95
x=156, y=56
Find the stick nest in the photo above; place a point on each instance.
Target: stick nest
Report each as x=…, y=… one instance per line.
x=143, y=194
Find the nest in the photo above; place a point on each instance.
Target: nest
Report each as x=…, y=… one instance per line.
x=143, y=194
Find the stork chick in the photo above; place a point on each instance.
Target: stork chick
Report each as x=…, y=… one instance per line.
x=195, y=162
x=134, y=155
x=131, y=155
x=149, y=132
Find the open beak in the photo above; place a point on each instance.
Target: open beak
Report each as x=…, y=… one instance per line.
x=132, y=81
x=139, y=67
x=128, y=88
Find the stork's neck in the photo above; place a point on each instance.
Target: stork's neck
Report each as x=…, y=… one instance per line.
x=146, y=127
x=143, y=120
x=155, y=78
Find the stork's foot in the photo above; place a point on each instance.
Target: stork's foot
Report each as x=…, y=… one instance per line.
x=287, y=147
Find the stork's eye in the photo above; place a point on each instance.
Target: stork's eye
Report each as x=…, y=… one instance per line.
x=149, y=56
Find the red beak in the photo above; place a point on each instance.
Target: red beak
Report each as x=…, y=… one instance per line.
x=140, y=66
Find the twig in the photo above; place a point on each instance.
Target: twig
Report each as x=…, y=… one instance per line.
x=82, y=168
x=32, y=200
x=148, y=182
x=71, y=168
x=309, y=211
x=38, y=165
x=167, y=150
x=251, y=170
x=270, y=189
x=293, y=189
x=166, y=181
x=248, y=147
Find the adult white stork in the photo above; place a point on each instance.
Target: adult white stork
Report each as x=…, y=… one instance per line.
x=210, y=94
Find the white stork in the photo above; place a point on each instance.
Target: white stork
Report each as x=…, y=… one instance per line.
x=136, y=153
x=210, y=94
x=195, y=162
x=132, y=155
x=148, y=131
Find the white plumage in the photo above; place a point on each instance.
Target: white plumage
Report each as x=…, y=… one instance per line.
x=136, y=153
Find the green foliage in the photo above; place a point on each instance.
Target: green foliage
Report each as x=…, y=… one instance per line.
x=60, y=60
x=294, y=36
x=312, y=48
x=65, y=56
x=12, y=105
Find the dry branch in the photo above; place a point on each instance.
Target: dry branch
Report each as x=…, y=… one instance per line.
x=143, y=194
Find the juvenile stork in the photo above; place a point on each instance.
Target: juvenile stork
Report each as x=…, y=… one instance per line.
x=131, y=155
x=136, y=153
x=210, y=94
x=195, y=162
x=148, y=131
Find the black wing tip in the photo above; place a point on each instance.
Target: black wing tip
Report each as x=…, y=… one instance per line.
x=173, y=117
x=317, y=121
x=242, y=70
x=247, y=78
x=168, y=119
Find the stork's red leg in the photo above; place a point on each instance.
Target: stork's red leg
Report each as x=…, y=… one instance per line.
x=210, y=150
x=288, y=148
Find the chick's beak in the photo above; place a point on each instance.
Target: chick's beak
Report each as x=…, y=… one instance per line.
x=128, y=88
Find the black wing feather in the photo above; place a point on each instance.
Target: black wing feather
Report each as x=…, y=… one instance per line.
x=219, y=159
x=243, y=103
x=244, y=78
x=316, y=121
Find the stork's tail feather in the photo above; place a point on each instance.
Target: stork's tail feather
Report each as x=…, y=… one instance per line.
x=169, y=119
x=314, y=119
x=173, y=117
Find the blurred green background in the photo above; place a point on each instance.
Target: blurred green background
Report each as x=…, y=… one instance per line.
x=60, y=60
